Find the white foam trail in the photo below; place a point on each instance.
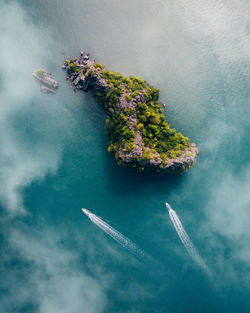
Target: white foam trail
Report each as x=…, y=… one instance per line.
x=116, y=235
x=186, y=240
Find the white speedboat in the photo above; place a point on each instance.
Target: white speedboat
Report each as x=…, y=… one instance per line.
x=85, y=211
x=168, y=207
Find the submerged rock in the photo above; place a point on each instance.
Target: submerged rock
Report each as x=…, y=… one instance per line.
x=46, y=89
x=48, y=84
x=139, y=135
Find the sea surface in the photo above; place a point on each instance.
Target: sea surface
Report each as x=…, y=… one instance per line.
x=54, y=161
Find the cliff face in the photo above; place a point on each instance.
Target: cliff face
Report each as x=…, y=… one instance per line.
x=139, y=134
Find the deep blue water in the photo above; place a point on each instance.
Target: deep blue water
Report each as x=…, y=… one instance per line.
x=54, y=160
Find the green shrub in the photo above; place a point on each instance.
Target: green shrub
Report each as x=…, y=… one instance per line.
x=98, y=66
x=128, y=98
x=91, y=73
x=40, y=73
x=135, y=93
x=73, y=67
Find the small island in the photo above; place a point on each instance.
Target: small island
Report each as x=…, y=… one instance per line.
x=139, y=135
x=47, y=83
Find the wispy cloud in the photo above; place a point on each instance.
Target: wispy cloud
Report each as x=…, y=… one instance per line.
x=49, y=276
x=23, y=158
x=226, y=227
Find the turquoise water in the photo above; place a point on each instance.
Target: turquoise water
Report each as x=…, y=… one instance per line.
x=54, y=162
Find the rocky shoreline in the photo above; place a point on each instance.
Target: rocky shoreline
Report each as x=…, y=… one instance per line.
x=140, y=136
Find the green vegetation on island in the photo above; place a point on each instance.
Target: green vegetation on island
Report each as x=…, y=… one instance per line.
x=139, y=135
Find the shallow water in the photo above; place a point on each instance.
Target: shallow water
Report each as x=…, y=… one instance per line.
x=53, y=160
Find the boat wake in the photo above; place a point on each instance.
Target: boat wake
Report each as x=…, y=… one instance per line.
x=116, y=235
x=186, y=240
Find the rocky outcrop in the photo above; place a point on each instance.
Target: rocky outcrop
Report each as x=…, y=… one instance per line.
x=86, y=74
x=47, y=83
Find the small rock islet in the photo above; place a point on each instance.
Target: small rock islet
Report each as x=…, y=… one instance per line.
x=47, y=83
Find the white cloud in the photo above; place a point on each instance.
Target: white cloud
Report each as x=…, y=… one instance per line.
x=24, y=158
x=52, y=279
